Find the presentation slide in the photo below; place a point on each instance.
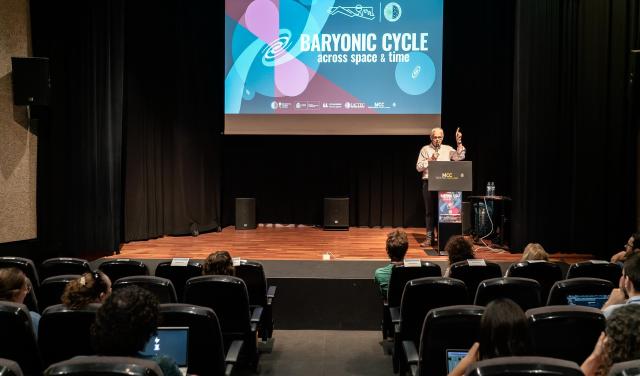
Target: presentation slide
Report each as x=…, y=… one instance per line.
x=328, y=57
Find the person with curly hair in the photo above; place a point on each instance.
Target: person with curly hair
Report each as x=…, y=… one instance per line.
x=397, y=245
x=619, y=342
x=124, y=324
x=14, y=287
x=92, y=287
x=459, y=249
x=504, y=331
x=218, y=263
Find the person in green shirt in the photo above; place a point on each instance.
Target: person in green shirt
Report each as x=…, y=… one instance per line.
x=397, y=245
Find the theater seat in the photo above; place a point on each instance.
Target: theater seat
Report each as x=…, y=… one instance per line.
x=52, y=288
x=18, y=339
x=523, y=291
x=596, y=269
x=9, y=368
x=120, y=268
x=179, y=275
x=546, y=273
x=561, y=290
x=419, y=297
x=26, y=265
x=207, y=356
x=29, y=269
x=105, y=366
x=162, y=288
x=228, y=298
x=260, y=295
x=66, y=332
x=472, y=272
x=446, y=328
x=63, y=265
x=524, y=366
x=400, y=275
x=630, y=368
x=565, y=332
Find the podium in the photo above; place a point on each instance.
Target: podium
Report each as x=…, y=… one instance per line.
x=449, y=179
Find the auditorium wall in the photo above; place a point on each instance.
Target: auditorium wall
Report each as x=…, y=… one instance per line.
x=18, y=141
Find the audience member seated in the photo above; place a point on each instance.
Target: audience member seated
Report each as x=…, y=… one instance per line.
x=534, y=251
x=92, y=287
x=618, y=343
x=628, y=288
x=218, y=263
x=503, y=332
x=459, y=249
x=14, y=287
x=632, y=247
x=124, y=324
x=397, y=245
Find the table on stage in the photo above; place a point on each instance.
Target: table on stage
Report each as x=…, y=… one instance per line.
x=491, y=209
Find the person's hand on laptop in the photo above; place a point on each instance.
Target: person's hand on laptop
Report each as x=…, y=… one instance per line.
x=468, y=360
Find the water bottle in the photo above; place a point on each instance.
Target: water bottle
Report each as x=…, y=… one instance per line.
x=493, y=188
x=488, y=188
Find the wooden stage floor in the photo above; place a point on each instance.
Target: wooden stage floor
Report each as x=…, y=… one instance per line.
x=301, y=243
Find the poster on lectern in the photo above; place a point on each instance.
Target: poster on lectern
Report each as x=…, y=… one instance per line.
x=450, y=207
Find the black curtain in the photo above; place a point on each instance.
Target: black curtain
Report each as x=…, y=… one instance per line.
x=290, y=176
x=134, y=83
x=174, y=108
x=80, y=135
x=573, y=146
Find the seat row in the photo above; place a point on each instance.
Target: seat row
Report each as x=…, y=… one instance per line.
x=168, y=284
x=515, y=366
x=65, y=333
x=423, y=285
x=420, y=344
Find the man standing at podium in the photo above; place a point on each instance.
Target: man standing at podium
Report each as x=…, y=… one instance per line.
x=435, y=151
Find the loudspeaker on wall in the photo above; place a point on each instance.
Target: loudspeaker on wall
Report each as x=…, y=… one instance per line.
x=30, y=77
x=336, y=213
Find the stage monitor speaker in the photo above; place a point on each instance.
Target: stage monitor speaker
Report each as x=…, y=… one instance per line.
x=245, y=213
x=336, y=213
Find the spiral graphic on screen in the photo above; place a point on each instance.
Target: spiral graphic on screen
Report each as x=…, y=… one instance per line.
x=276, y=49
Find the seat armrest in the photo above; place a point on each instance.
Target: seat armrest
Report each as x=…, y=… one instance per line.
x=232, y=356
x=234, y=351
x=256, y=314
x=395, y=314
x=271, y=294
x=410, y=351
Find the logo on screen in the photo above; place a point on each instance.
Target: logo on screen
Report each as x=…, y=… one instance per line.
x=392, y=12
x=354, y=12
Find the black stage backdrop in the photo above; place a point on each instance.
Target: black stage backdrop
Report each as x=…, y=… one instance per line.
x=133, y=150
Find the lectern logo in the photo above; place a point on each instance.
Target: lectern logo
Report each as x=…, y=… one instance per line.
x=447, y=175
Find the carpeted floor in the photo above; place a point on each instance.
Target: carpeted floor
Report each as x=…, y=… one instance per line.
x=324, y=353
